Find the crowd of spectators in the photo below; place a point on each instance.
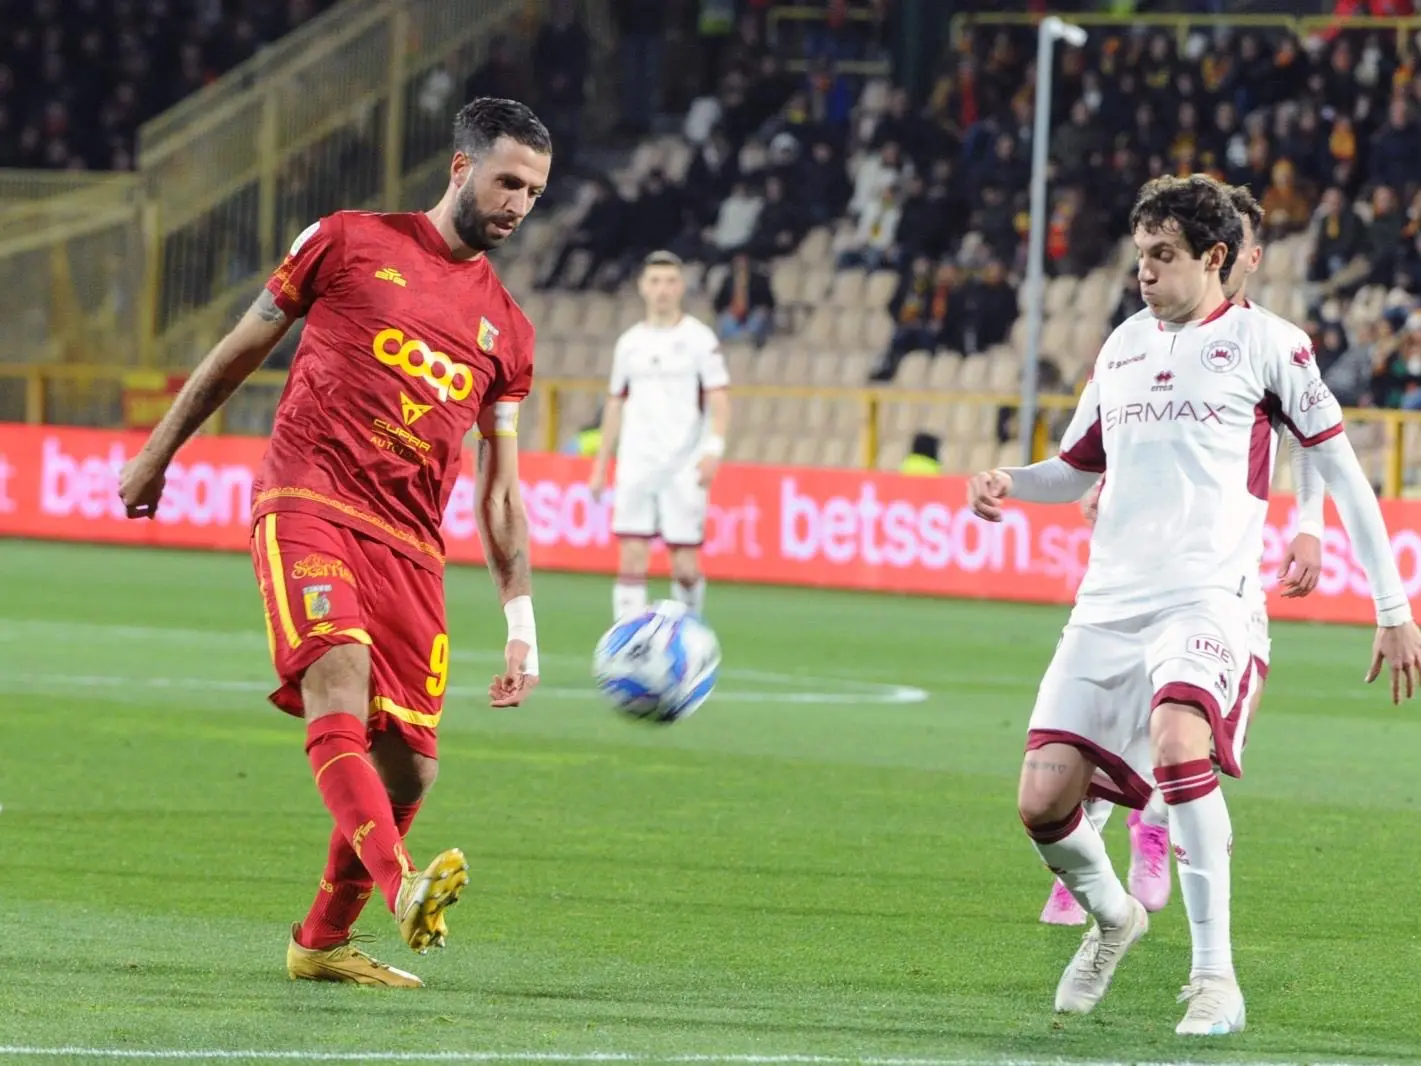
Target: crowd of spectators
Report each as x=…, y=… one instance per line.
x=78, y=77
x=1323, y=130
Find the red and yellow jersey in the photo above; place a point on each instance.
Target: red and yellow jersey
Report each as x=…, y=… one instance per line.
x=405, y=350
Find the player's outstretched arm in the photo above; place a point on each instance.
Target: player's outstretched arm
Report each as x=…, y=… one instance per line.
x=1064, y=478
x=611, y=427
x=1302, y=563
x=1313, y=415
x=503, y=527
x=1398, y=641
x=230, y=363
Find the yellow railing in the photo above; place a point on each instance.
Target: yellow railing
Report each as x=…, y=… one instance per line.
x=94, y=395
x=802, y=13
x=1181, y=25
x=352, y=111
x=19, y=187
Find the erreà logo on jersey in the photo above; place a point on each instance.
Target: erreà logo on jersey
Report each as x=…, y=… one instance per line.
x=449, y=379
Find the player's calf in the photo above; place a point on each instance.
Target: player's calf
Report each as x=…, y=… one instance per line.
x=345, y=883
x=1061, y=907
x=1201, y=831
x=1050, y=798
x=629, y=591
x=688, y=584
x=334, y=690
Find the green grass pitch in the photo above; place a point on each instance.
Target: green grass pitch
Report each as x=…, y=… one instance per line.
x=825, y=861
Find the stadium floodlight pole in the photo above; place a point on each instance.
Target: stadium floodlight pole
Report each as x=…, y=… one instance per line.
x=1052, y=30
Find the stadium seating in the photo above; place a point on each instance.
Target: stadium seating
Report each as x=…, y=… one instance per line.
x=832, y=326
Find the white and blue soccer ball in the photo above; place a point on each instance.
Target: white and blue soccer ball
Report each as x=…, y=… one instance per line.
x=659, y=665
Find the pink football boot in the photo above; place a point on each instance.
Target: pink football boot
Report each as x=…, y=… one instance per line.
x=1061, y=908
x=1149, y=863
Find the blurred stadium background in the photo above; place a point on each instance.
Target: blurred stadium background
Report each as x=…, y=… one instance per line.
x=826, y=861
x=848, y=176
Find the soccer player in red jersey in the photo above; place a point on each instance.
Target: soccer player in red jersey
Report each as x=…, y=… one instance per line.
x=410, y=342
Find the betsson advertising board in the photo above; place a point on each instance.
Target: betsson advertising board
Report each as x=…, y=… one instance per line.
x=798, y=526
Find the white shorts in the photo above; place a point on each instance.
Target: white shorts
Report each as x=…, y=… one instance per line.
x=669, y=505
x=1258, y=641
x=1106, y=679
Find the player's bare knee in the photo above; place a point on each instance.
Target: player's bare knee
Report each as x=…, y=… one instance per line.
x=1054, y=780
x=634, y=556
x=1179, y=733
x=338, y=682
x=408, y=776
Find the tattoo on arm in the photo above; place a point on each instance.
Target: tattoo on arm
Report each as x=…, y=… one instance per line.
x=504, y=528
x=265, y=308
x=212, y=384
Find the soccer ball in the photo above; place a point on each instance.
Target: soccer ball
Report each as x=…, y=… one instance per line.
x=659, y=665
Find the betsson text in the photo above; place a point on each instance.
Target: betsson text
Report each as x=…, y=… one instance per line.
x=781, y=519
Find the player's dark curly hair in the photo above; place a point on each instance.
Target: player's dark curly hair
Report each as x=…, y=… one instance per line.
x=1199, y=206
x=1247, y=206
x=482, y=121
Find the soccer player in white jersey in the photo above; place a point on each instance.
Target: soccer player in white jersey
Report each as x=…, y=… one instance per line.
x=666, y=418
x=1152, y=675
x=1149, y=879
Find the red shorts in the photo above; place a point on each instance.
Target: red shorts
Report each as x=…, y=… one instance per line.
x=323, y=584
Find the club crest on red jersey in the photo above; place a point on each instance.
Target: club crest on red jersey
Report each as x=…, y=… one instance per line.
x=488, y=336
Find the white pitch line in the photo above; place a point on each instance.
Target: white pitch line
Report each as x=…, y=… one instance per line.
x=572, y=1057
x=807, y=689
x=884, y=694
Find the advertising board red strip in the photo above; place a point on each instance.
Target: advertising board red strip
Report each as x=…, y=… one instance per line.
x=845, y=529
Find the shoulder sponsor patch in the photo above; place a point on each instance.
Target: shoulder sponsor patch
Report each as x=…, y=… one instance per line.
x=304, y=236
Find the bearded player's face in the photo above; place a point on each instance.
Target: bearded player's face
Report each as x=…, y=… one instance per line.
x=499, y=190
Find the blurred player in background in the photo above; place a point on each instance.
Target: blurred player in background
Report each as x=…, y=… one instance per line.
x=1151, y=681
x=666, y=416
x=1149, y=878
x=410, y=343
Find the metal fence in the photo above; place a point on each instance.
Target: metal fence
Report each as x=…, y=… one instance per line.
x=353, y=113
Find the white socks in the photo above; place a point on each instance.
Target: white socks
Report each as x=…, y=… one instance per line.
x=693, y=596
x=1202, y=835
x=1075, y=853
x=628, y=598
x=1098, y=811
x=1156, y=812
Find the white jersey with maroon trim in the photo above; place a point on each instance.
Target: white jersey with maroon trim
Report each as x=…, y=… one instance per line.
x=662, y=374
x=1183, y=417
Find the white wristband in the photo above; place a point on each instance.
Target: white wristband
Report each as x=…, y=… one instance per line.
x=521, y=626
x=1310, y=529
x=1393, y=616
x=713, y=445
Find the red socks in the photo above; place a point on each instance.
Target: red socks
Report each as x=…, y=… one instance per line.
x=356, y=797
x=345, y=886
